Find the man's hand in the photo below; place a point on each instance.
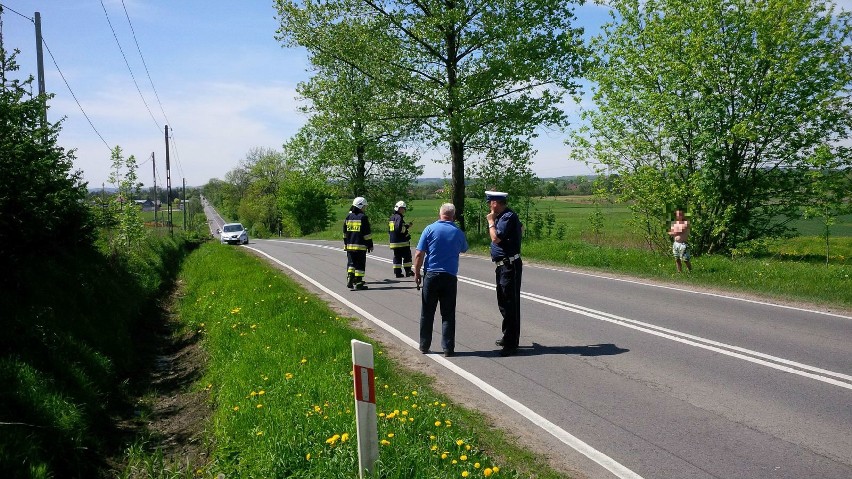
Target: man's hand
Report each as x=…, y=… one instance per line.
x=417, y=279
x=370, y=249
x=490, y=217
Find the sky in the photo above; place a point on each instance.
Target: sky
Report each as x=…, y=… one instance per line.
x=209, y=69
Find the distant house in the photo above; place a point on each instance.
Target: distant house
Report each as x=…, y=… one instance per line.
x=145, y=205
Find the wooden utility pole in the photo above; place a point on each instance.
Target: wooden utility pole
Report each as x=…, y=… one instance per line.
x=156, y=198
x=40, y=61
x=169, y=181
x=183, y=204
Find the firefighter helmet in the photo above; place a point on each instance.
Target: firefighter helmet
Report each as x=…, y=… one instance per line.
x=398, y=205
x=359, y=202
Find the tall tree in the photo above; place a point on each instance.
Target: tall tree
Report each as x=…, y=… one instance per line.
x=478, y=75
x=42, y=198
x=718, y=106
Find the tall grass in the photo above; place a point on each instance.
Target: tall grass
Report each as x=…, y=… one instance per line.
x=280, y=376
x=72, y=326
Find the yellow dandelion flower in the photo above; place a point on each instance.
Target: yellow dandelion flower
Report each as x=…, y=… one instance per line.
x=381, y=414
x=308, y=456
x=344, y=437
x=411, y=419
x=414, y=393
x=236, y=408
x=304, y=361
x=465, y=473
x=432, y=437
x=261, y=392
x=288, y=376
x=259, y=433
x=252, y=394
x=259, y=406
x=459, y=442
x=433, y=448
x=495, y=469
x=437, y=423
x=443, y=404
x=385, y=442
x=487, y=472
x=405, y=413
x=333, y=439
x=414, y=406
x=463, y=457
x=467, y=447
x=390, y=434
x=455, y=462
x=402, y=419
x=444, y=455
x=477, y=465
x=448, y=423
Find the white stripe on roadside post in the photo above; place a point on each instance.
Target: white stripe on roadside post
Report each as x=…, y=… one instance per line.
x=365, y=406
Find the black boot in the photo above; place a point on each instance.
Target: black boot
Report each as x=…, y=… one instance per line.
x=398, y=273
x=350, y=280
x=408, y=272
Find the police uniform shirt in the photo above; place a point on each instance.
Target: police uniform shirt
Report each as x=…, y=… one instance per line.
x=508, y=228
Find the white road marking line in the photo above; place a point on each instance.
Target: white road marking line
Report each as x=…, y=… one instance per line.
x=781, y=364
x=568, y=439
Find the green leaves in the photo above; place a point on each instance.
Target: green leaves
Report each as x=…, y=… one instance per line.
x=727, y=100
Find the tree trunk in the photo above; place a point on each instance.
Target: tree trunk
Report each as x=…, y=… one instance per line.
x=457, y=154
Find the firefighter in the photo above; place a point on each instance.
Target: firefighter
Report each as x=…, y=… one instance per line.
x=357, y=241
x=400, y=241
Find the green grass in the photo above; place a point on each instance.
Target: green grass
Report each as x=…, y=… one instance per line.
x=792, y=269
x=280, y=379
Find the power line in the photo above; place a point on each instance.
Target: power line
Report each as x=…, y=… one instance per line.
x=128, y=66
x=73, y=95
x=177, y=156
x=156, y=95
x=4, y=7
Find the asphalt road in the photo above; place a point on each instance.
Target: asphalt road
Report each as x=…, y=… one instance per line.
x=622, y=378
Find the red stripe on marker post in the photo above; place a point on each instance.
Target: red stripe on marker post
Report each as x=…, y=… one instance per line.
x=365, y=384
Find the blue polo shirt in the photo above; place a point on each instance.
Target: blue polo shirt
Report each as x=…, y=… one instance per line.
x=442, y=241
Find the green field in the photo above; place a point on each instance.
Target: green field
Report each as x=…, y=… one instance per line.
x=793, y=270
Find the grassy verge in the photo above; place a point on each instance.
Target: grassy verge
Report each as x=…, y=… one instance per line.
x=280, y=378
x=72, y=340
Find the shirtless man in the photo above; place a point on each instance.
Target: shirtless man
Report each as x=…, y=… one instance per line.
x=680, y=248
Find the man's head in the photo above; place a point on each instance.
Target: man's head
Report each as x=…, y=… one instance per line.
x=496, y=200
x=447, y=212
x=400, y=205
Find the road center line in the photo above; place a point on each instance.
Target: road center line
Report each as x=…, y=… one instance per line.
x=756, y=357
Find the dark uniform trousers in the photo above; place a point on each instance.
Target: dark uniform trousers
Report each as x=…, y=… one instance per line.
x=402, y=259
x=508, y=283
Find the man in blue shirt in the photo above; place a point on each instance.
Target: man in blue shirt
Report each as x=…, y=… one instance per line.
x=506, y=230
x=440, y=245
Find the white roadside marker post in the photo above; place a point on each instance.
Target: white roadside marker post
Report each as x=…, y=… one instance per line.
x=365, y=406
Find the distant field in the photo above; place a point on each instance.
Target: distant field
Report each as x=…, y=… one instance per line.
x=574, y=213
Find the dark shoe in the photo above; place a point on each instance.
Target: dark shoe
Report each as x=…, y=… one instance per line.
x=409, y=273
x=399, y=275
x=424, y=351
x=448, y=353
x=350, y=278
x=499, y=342
x=508, y=352
x=360, y=286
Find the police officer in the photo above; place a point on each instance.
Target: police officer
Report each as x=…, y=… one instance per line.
x=357, y=241
x=505, y=230
x=399, y=240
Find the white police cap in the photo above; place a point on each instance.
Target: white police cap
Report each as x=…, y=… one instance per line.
x=495, y=195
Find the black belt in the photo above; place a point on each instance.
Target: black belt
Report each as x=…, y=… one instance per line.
x=509, y=259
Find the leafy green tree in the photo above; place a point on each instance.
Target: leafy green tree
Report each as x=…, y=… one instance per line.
x=721, y=105
x=831, y=185
x=478, y=77
x=130, y=229
x=43, y=207
x=306, y=202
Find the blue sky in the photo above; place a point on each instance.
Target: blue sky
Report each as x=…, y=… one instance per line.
x=224, y=84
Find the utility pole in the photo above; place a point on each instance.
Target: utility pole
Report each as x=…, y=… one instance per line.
x=169, y=181
x=156, y=198
x=183, y=204
x=40, y=60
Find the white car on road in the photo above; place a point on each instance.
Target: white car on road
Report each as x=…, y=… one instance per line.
x=233, y=233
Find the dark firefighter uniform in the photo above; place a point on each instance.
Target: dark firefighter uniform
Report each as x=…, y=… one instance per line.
x=357, y=241
x=399, y=240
